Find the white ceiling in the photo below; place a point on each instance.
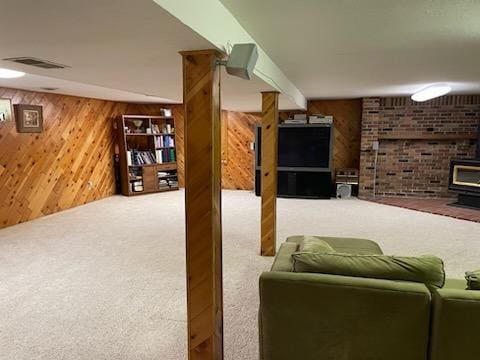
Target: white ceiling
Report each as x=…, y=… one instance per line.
x=128, y=50
x=354, y=48
x=66, y=87
x=116, y=49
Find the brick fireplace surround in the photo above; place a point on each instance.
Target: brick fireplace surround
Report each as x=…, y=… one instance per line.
x=416, y=143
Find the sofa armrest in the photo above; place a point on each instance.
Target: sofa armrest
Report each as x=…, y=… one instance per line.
x=316, y=316
x=283, y=260
x=455, y=324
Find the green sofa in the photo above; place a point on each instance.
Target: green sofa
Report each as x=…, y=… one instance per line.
x=311, y=316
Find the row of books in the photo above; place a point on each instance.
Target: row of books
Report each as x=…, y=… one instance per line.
x=164, y=141
x=135, y=157
x=137, y=186
x=165, y=155
x=136, y=179
x=168, y=183
x=162, y=174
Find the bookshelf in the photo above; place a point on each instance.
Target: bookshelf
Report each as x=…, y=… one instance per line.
x=148, y=156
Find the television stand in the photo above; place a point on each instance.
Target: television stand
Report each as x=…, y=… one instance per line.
x=300, y=184
x=304, y=167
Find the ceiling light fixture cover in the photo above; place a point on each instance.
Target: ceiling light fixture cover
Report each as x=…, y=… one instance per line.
x=431, y=92
x=10, y=74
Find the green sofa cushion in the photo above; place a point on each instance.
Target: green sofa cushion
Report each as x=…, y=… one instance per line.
x=454, y=284
x=283, y=260
x=344, y=245
x=428, y=270
x=455, y=325
x=315, y=245
x=473, y=280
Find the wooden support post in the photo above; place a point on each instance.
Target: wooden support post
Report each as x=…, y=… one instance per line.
x=201, y=96
x=269, y=172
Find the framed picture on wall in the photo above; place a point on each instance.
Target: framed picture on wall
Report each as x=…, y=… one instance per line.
x=6, y=113
x=29, y=118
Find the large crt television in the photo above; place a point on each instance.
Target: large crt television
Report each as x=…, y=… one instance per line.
x=305, y=146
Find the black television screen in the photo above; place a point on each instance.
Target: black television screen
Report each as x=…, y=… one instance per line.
x=307, y=146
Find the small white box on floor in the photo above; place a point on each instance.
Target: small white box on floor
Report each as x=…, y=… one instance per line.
x=344, y=191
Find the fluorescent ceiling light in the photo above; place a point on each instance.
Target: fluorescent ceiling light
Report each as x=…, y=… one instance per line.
x=431, y=92
x=10, y=74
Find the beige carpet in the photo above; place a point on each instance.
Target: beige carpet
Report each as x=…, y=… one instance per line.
x=107, y=280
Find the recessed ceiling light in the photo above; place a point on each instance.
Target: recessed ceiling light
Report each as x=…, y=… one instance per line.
x=431, y=92
x=10, y=74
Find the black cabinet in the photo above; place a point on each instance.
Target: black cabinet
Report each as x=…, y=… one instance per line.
x=304, y=161
x=303, y=184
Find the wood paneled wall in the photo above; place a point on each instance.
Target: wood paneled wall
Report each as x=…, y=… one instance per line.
x=68, y=164
x=71, y=162
x=347, y=116
x=237, y=157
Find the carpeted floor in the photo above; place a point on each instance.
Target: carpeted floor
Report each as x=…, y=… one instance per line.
x=107, y=280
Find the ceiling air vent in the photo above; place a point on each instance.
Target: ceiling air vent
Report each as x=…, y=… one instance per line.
x=36, y=62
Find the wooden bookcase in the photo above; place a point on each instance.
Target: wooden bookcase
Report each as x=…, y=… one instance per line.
x=147, y=154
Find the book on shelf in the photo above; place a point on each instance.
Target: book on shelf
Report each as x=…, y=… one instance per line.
x=159, y=156
x=165, y=155
x=170, y=176
x=167, y=183
x=137, y=186
x=163, y=184
x=168, y=141
x=136, y=157
x=164, y=141
x=158, y=141
x=171, y=155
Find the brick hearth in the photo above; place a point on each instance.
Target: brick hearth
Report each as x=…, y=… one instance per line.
x=438, y=206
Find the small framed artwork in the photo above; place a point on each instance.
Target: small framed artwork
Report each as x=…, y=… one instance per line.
x=6, y=113
x=29, y=118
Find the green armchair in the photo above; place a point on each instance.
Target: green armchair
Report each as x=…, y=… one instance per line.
x=311, y=316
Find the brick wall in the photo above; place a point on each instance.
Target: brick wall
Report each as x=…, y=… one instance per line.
x=416, y=143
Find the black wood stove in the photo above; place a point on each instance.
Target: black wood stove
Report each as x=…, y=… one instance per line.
x=465, y=179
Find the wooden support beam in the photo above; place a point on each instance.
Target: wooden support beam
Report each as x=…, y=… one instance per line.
x=269, y=172
x=201, y=97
